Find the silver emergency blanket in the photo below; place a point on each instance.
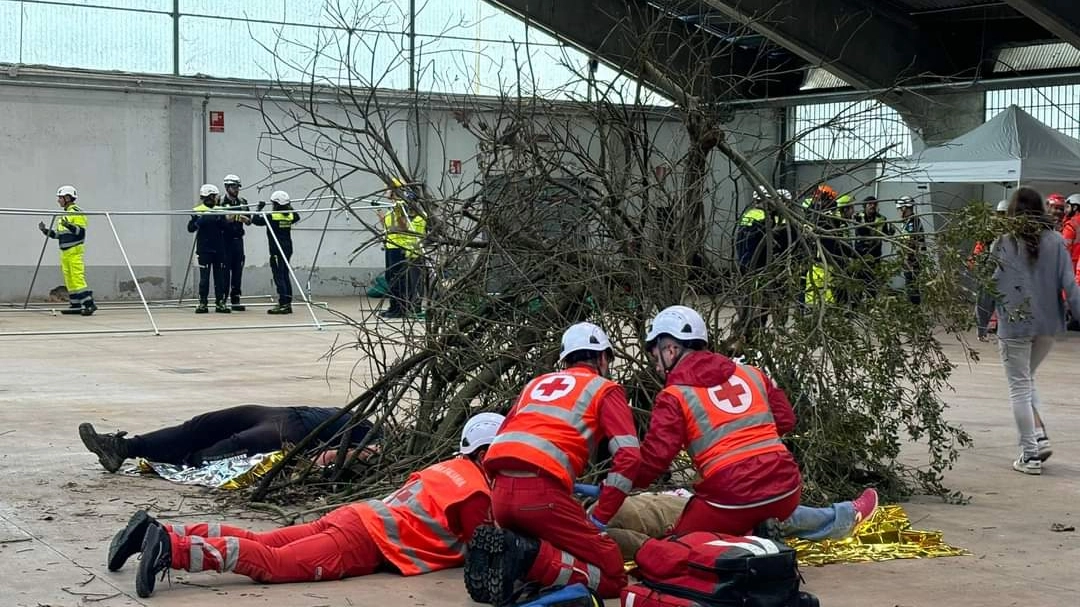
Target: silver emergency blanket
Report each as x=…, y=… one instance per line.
x=230, y=473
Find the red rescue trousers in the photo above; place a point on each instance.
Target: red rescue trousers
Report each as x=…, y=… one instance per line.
x=700, y=515
x=572, y=549
x=333, y=547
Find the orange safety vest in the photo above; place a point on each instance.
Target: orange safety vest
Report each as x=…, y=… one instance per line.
x=554, y=425
x=1071, y=233
x=729, y=422
x=411, y=527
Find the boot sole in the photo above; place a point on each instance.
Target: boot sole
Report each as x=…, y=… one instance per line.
x=487, y=581
x=109, y=461
x=128, y=541
x=146, y=577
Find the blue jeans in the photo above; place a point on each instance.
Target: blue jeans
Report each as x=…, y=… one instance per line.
x=832, y=523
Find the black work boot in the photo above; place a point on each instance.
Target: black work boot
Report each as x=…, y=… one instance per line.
x=89, y=308
x=496, y=559
x=202, y=308
x=128, y=541
x=73, y=309
x=156, y=558
x=770, y=529
x=111, y=449
x=221, y=307
x=280, y=309
x=237, y=306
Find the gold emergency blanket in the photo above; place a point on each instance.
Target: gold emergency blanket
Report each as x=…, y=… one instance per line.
x=886, y=536
x=230, y=473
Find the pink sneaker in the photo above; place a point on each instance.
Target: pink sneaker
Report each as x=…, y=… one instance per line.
x=865, y=506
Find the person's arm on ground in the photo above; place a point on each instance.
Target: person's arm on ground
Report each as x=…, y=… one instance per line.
x=665, y=438
x=617, y=423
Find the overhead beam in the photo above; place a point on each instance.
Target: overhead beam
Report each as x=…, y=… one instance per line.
x=1059, y=17
x=857, y=41
x=624, y=33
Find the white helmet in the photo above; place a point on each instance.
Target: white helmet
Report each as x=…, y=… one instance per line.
x=1073, y=199
x=208, y=189
x=231, y=179
x=785, y=195
x=905, y=201
x=67, y=190
x=1003, y=206
x=280, y=197
x=479, y=431
x=761, y=193
x=584, y=336
x=680, y=322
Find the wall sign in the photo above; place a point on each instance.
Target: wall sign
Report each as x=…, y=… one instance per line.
x=217, y=122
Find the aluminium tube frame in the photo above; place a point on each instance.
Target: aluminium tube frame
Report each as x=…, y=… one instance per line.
x=147, y=304
x=37, y=268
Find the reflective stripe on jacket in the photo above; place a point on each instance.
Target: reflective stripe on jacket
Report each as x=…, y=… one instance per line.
x=729, y=422
x=412, y=528
x=554, y=426
x=398, y=240
x=74, y=233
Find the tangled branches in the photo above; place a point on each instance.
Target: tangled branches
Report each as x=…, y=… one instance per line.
x=608, y=211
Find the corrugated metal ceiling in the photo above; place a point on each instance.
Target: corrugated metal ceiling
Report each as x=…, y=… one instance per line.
x=930, y=5
x=1036, y=57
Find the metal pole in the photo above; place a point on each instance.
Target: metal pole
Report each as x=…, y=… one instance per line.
x=187, y=272
x=315, y=260
x=292, y=274
x=412, y=45
x=176, y=39
x=37, y=268
x=134, y=278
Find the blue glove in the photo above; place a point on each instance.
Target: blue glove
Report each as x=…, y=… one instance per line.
x=601, y=526
x=587, y=490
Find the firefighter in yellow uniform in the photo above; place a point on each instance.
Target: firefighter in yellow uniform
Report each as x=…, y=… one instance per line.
x=72, y=239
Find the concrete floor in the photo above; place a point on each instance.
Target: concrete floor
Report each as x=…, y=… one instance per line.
x=58, y=509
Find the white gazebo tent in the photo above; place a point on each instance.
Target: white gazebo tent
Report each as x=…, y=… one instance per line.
x=1013, y=147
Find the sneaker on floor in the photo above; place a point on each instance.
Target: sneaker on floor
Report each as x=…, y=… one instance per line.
x=237, y=306
x=156, y=558
x=496, y=559
x=88, y=309
x=280, y=309
x=72, y=310
x=1044, y=448
x=111, y=449
x=128, y=541
x=222, y=308
x=865, y=506
x=1028, y=465
x=202, y=309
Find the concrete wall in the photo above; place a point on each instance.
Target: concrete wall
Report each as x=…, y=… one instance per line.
x=145, y=151
x=139, y=151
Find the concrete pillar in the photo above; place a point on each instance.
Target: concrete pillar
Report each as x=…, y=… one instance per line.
x=934, y=119
x=184, y=153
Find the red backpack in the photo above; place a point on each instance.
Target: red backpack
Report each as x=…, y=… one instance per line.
x=714, y=569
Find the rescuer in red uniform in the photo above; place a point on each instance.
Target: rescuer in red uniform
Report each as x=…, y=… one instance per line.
x=729, y=417
x=544, y=534
x=423, y=527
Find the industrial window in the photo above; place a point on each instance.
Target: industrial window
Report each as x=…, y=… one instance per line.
x=847, y=131
x=1057, y=106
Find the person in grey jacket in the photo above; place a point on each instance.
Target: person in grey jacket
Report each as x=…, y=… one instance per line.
x=1032, y=269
